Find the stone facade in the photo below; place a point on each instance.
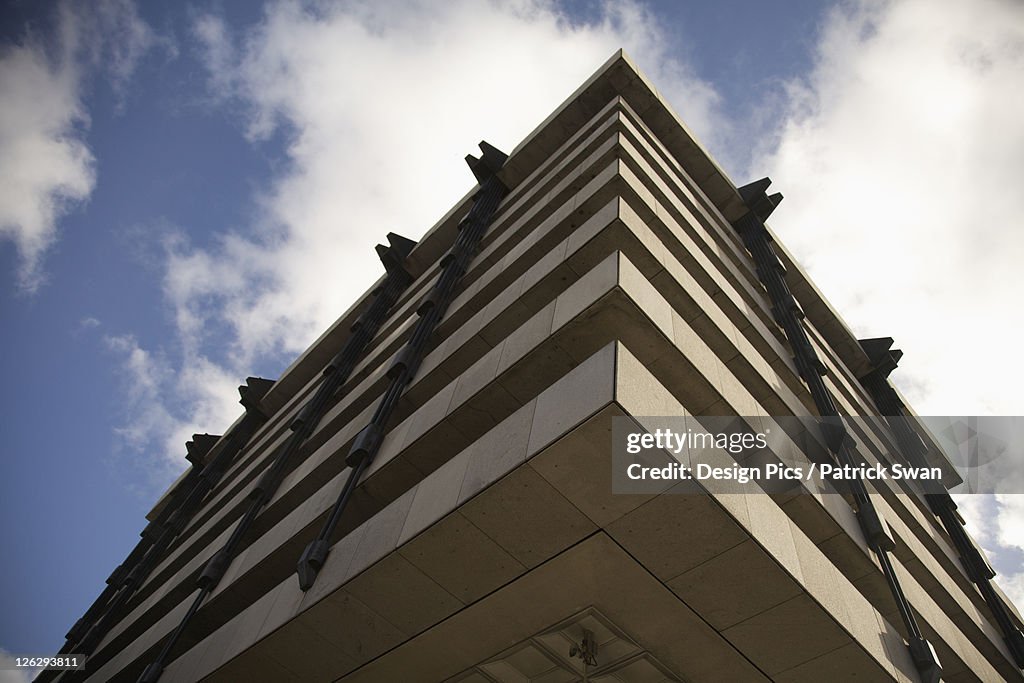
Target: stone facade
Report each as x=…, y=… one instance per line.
x=482, y=541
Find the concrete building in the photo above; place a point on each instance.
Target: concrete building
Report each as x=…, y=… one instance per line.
x=426, y=493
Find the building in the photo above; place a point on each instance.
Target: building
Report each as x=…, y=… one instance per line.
x=426, y=494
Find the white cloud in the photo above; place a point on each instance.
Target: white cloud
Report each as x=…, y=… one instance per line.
x=10, y=674
x=45, y=162
x=900, y=158
x=996, y=522
x=378, y=103
x=45, y=165
x=150, y=386
x=146, y=379
x=1013, y=586
x=1010, y=530
x=976, y=510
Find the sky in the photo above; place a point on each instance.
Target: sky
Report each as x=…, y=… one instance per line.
x=191, y=192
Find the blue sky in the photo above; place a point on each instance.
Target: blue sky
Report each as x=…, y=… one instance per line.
x=191, y=193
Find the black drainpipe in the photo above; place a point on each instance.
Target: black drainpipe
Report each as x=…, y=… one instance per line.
x=975, y=565
x=158, y=535
x=453, y=265
x=335, y=374
x=788, y=315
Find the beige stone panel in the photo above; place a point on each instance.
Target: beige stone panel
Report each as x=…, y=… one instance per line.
x=734, y=585
x=381, y=535
x=687, y=251
x=497, y=452
x=828, y=587
x=696, y=351
x=305, y=652
x=432, y=412
x=683, y=246
x=564, y=173
x=848, y=662
x=468, y=290
x=787, y=635
x=586, y=290
x=848, y=557
x=646, y=297
x=578, y=466
x=617, y=226
x=233, y=637
x=730, y=258
x=591, y=572
x=537, y=233
x=183, y=669
x=479, y=375
x=402, y=594
x=253, y=559
x=527, y=517
x=806, y=511
x=435, y=495
x=437, y=552
x=494, y=329
x=350, y=627
x=254, y=666
x=864, y=621
x=689, y=299
x=394, y=442
x=691, y=193
x=750, y=367
x=573, y=397
x=547, y=278
x=899, y=655
x=288, y=599
x=736, y=398
x=873, y=587
x=675, y=532
x=541, y=234
x=640, y=393
x=694, y=383
x=527, y=337
x=464, y=344
x=137, y=647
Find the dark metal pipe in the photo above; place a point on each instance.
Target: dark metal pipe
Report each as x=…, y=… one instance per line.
x=912, y=448
x=454, y=264
x=788, y=314
x=336, y=373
